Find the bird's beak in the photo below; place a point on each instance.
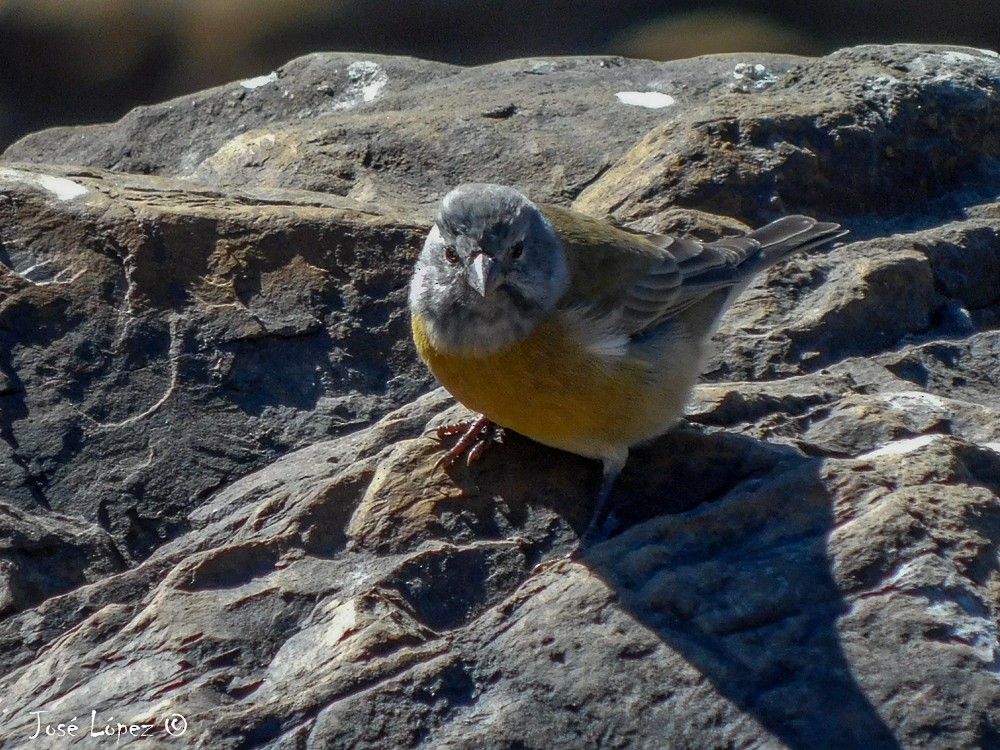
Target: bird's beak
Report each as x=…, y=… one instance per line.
x=484, y=274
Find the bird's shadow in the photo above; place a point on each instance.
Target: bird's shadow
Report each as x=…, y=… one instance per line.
x=724, y=556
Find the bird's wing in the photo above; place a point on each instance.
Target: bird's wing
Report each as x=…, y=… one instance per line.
x=637, y=279
x=695, y=270
x=617, y=275
x=642, y=279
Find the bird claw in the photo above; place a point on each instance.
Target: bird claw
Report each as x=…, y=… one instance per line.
x=476, y=436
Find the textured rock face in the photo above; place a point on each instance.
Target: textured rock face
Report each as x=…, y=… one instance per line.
x=133, y=310
x=219, y=498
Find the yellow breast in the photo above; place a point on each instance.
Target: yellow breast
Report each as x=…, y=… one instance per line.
x=553, y=389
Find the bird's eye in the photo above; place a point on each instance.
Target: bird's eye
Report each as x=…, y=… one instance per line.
x=450, y=255
x=517, y=250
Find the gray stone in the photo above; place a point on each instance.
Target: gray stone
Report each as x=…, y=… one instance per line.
x=213, y=423
x=159, y=341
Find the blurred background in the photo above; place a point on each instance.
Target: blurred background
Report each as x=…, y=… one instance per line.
x=76, y=61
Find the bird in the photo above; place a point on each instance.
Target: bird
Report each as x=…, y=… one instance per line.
x=571, y=331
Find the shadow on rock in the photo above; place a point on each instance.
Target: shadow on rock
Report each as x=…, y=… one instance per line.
x=742, y=585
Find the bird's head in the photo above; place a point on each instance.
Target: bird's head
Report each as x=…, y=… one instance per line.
x=491, y=268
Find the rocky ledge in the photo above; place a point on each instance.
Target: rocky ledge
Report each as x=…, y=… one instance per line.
x=219, y=508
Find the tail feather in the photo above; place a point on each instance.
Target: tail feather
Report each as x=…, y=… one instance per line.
x=770, y=245
x=712, y=275
x=791, y=234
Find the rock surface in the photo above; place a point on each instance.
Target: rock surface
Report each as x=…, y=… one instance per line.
x=67, y=62
x=219, y=499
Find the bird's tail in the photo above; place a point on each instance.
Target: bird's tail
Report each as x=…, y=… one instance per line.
x=790, y=234
x=749, y=255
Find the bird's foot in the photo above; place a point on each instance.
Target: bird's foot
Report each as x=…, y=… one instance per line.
x=602, y=526
x=476, y=436
x=594, y=534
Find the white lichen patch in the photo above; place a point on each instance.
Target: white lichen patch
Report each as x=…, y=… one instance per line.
x=954, y=56
x=366, y=80
x=949, y=65
x=370, y=77
x=900, y=447
x=647, y=99
x=256, y=83
x=912, y=400
x=976, y=631
x=750, y=77
x=61, y=188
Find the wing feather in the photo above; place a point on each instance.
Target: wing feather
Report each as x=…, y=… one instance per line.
x=640, y=280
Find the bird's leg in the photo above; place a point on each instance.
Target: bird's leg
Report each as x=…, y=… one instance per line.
x=476, y=436
x=595, y=529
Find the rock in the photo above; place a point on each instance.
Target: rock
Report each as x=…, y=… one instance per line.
x=102, y=57
x=395, y=129
x=215, y=430
x=46, y=553
x=864, y=130
x=182, y=337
